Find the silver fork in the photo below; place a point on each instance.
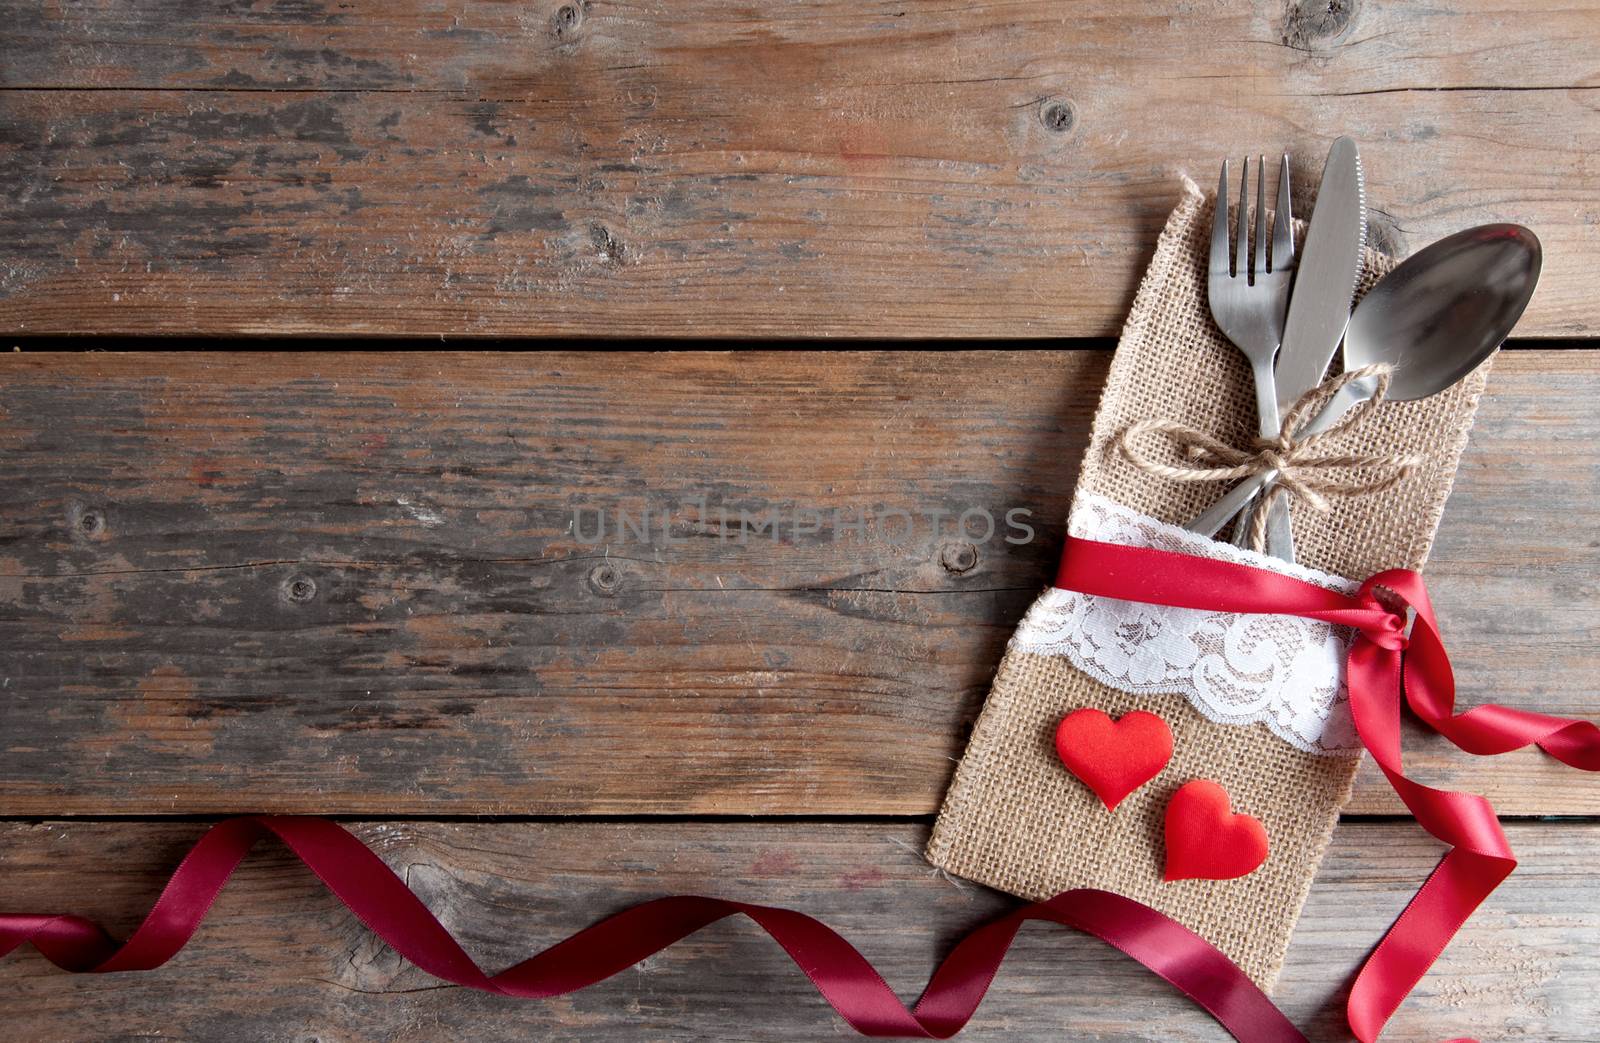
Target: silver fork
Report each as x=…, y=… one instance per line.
x=1250, y=298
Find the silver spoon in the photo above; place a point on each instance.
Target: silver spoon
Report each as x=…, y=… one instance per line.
x=1438, y=315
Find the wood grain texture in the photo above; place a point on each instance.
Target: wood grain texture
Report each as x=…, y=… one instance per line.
x=280, y=959
x=801, y=167
x=351, y=583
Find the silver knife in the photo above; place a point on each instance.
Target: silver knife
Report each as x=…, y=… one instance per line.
x=1319, y=307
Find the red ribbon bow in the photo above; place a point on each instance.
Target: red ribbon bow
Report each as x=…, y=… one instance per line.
x=1385, y=661
x=1386, y=664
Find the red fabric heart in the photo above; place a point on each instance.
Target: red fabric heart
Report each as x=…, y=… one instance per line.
x=1113, y=758
x=1205, y=841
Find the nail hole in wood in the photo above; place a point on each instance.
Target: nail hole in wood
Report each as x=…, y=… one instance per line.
x=299, y=589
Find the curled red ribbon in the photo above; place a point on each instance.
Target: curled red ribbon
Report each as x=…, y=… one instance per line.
x=1386, y=665
x=364, y=883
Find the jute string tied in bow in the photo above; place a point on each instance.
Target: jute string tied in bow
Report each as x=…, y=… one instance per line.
x=1297, y=461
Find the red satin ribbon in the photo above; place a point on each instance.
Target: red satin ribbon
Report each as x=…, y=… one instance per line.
x=1384, y=665
x=372, y=891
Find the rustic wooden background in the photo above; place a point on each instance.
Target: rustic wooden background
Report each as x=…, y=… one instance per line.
x=351, y=584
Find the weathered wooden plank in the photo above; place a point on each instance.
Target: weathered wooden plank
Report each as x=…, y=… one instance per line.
x=280, y=959
x=352, y=583
x=795, y=168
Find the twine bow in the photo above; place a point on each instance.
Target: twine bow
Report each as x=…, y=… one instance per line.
x=1305, y=469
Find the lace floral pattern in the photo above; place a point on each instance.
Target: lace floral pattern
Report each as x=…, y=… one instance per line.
x=1281, y=671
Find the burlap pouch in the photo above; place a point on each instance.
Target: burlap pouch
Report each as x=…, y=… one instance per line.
x=1014, y=818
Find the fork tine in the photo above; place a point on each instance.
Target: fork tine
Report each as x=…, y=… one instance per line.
x=1282, y=223
x=1258, y=256
x=1241, y=249
x=1219, y=227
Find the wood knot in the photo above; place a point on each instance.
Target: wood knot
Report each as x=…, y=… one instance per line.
x=605, y=579
x=1313, y=25
x=959, y=558
x=568, y=17
x=87, y=522
x=1058, y=115
x=612, y=250
x=298, y=589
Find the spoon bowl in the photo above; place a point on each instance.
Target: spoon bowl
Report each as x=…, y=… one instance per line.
x=1445, y=309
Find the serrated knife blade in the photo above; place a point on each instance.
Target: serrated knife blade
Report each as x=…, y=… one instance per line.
x=1319, y=307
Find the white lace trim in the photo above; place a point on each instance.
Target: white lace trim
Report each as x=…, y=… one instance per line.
x=1282, y=671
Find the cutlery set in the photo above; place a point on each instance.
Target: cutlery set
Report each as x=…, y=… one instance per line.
x=1434, y=318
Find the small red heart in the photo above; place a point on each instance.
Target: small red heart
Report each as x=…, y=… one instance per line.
x=1205, y=841
x=1113, y=758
